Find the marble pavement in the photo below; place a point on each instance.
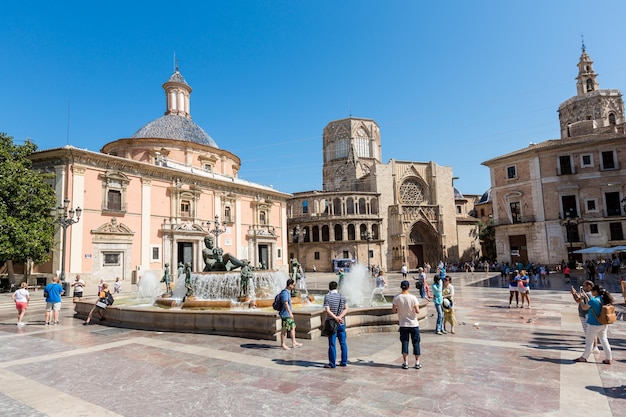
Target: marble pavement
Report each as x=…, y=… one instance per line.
x=514, y=362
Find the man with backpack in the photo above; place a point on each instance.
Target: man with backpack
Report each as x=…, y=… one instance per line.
x=286, y=316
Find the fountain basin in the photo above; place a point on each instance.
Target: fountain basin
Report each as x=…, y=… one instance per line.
x=250, y=323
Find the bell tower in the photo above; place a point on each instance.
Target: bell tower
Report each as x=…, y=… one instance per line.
x=586, y=81
x=591, y=110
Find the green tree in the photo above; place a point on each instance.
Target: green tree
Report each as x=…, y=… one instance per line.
x=26, y=201
x=487, y=236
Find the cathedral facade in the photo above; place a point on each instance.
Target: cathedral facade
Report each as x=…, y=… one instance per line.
x=151, y=199
x=383, y=214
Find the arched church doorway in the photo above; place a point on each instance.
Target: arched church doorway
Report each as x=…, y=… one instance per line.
x=422, y=246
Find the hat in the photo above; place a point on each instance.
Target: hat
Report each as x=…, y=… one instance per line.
x=405, y=285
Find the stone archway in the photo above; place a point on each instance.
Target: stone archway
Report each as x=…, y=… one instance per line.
x=422, y=245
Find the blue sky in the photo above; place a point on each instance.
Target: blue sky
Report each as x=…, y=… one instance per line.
x=455, y=82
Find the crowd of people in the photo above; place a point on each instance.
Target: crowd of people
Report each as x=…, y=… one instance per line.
x=53, y=293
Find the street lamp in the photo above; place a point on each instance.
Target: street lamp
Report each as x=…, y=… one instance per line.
x=570, y=222
x=66, y=219
x=367, y=236
x=296, y=234
x=217, y=231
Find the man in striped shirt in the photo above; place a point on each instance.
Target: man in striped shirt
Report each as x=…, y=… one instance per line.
x=336, y=308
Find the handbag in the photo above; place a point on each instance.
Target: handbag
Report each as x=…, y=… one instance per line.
x=102, y=304
x=330, y=328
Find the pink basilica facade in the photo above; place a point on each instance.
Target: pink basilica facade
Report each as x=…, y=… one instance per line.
x=152, y=198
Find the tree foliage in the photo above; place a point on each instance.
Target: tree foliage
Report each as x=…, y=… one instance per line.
x=487, y=236
x=26, y=201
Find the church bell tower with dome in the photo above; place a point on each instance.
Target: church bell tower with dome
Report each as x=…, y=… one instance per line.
x=591, y=110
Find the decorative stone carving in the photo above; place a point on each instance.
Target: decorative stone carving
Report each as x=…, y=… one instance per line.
x=411, y=192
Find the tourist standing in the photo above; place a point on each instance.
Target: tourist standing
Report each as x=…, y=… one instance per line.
x=336, y=308
x=117, y=286
x=599, y=297
x=404, y=270
x=524, y=288
x=566, y=272
x=421, y=282
x=407, y=307
x=513, y=288
x=601, y=271
x=286, y=316
x=53, y=293
x=21, y=298
x=438, y=300
x=448, y=304
x=586, y=289
x=79, y=286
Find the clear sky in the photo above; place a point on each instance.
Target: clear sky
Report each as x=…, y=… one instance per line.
x=455, y=82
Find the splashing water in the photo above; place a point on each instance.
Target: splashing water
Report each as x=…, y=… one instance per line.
x=149, y=287
x=357, y=286
x=226, y=285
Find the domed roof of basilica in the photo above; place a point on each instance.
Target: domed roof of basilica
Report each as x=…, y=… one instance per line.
x=177, y=123
x=173, y=126
x=486, y=197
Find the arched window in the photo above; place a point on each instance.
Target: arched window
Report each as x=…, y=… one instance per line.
x=362, y=206
x=227, y=215
x=307, y=234
x=262, y=218
x=362, y=230
x=351, y=234
x=337, y=207
x=589, y=85
x=338, y=233
x=305, y=207
x=316, y=234
x=375, y=232
x=325, y=233
x=349, y=205
x=374, y=205
x=612, y=119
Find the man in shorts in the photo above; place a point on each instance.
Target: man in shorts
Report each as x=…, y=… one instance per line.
x=407, y=307
x=286, y=316
x=53, y=293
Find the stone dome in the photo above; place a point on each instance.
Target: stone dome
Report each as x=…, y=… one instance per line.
x=173, y=126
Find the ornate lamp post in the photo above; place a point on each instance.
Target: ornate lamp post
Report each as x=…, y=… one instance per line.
x=570, y=222
x=65, y=219
x=367, y=236
x=217, y=231
x=296, y=234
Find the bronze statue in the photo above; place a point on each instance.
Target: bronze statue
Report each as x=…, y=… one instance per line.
x=295, y=269
x=215, y=259
x=188, y=279
x=167, y=278
x=246, y=276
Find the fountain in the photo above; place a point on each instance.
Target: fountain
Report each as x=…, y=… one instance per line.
x=217, y=304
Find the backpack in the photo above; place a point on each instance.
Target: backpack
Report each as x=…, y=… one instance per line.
x=109, y=298
x=607, y=314
x=278, y=305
